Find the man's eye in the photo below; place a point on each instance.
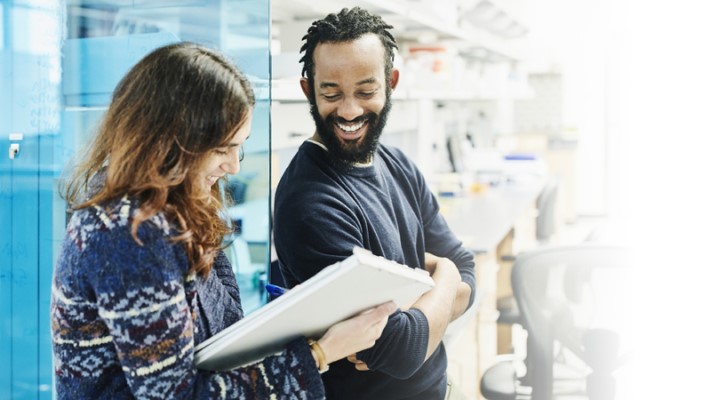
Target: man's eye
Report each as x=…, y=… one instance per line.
x=366, y=94
x=331, y=96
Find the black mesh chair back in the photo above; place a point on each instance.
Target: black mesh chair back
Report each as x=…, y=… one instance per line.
x=572, y=304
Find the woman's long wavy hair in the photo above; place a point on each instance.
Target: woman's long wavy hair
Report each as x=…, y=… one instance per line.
x=167, y=114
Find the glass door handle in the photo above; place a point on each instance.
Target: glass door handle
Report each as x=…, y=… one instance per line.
x=14, y=150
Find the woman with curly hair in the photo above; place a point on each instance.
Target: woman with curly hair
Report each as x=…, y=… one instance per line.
x=141, y=278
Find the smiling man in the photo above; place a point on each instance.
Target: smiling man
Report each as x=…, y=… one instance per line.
x=345, y=189
x=350, y=100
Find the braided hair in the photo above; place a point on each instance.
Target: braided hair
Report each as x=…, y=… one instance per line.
x=346, y=26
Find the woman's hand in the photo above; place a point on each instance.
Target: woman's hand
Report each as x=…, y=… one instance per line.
x=355, y=334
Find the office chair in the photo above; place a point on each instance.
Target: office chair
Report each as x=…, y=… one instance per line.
x=572, y=306
x=546, y=204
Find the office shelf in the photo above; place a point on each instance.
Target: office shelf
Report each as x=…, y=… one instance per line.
x=413, y=20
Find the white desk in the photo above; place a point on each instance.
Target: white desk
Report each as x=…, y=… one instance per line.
x=482, y=220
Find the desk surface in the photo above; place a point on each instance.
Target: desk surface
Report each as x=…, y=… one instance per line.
x=481, y=220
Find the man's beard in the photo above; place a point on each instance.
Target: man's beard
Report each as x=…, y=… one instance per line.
x=346, y=155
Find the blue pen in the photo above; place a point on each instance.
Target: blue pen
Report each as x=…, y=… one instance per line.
x=275, y=291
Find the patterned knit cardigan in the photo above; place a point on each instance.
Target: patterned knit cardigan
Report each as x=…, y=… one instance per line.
x=126, y=318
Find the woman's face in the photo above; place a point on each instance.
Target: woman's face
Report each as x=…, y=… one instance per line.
x=225, y=160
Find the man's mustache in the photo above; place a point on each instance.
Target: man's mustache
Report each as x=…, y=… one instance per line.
x=363, y=118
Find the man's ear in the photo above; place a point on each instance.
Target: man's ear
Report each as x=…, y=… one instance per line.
x=394, y=78
x=305, y=87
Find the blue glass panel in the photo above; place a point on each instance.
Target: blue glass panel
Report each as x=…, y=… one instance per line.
x=93, y=66
x=5, y=207
x=31, y=92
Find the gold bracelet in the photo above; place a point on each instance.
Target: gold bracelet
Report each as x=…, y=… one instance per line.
x=320, y=356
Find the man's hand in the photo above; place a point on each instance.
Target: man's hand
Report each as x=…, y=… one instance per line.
x=438, y=303
x=463, y=290
x=359, y=365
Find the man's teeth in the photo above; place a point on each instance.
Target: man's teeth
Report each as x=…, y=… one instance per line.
x=351, y=128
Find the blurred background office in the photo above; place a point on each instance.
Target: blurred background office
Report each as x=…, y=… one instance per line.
x=536, y=123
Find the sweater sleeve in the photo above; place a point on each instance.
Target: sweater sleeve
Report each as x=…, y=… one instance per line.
x=316, y=238
x=401, y=349
x=141, y=297
x=231, y=307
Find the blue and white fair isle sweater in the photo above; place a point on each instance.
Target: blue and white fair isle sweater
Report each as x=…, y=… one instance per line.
x=126, y=318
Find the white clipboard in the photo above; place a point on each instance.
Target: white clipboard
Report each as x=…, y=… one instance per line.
x=337, y=292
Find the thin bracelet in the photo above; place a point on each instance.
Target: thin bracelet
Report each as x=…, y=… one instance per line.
x=320, y=356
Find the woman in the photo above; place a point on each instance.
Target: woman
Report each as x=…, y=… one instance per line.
x=141, y=278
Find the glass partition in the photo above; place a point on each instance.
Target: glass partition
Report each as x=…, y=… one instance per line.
x=59, y=63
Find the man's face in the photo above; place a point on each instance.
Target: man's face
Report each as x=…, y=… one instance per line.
x=351, y=97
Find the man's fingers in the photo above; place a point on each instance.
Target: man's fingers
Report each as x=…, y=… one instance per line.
x=361, y=366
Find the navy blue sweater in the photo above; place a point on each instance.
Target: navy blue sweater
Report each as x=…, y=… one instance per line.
x=321, y=213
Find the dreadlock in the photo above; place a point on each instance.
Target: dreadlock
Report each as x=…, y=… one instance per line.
x=346, y=26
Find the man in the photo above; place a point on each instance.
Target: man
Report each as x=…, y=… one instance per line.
x=344, y=189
